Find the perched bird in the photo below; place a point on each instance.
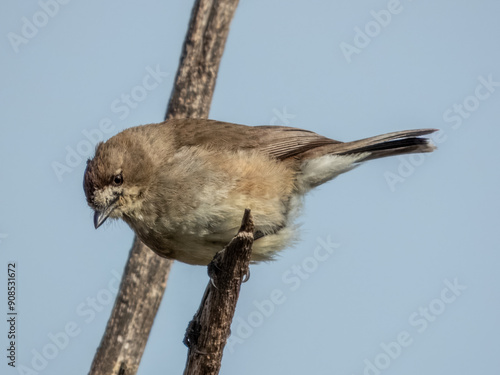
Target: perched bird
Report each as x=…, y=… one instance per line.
x=182, y=185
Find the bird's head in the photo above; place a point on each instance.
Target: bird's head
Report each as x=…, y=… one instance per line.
x=117, y=178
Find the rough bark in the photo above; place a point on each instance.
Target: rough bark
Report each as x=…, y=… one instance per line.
x=201, y=55
x=209, y=330
x=145, y=276
x=141, y=290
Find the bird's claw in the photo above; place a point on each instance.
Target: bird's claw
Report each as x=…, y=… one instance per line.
x=246, y=276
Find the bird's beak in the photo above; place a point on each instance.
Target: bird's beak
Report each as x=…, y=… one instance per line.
x=101, y=216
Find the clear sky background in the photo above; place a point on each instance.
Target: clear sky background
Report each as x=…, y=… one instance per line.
x=410, y=284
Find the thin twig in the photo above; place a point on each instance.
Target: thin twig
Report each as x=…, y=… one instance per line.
x=209, y=330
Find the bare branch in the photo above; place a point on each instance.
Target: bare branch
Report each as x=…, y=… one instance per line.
x=145, y=276
x=207, y=333
x=200, y=59
x=141, y=290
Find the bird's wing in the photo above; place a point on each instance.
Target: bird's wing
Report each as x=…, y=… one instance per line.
x=281, y=142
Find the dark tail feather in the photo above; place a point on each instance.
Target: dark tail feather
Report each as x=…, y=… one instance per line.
x=396, y=143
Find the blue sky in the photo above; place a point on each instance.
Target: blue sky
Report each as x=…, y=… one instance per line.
x=397, y=269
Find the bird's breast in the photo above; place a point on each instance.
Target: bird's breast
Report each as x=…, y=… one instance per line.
x=200, y=196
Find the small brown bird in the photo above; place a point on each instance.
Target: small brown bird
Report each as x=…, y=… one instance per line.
x=182, y=185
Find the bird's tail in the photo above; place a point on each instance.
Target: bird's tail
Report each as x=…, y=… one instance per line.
x=328, y=161
x=390, y=144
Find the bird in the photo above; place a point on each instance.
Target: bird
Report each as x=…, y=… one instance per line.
x=182, y=185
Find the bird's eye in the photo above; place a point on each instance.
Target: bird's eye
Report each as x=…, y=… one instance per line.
x=118, y=179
